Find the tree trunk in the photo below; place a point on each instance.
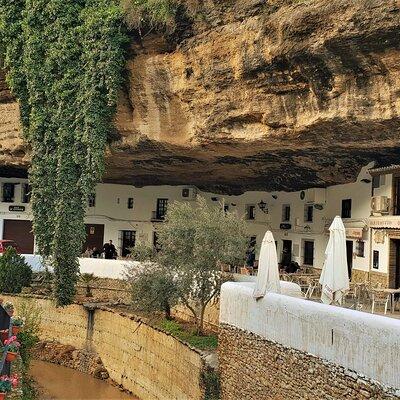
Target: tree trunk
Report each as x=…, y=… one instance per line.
x=167, y=310
x=200, y=322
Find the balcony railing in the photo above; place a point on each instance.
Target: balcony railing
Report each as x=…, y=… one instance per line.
x=156, y=217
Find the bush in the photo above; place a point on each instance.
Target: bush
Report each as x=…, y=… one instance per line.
x=15, y=273
x=143, y=253
x=156, y=13
x=152, y=288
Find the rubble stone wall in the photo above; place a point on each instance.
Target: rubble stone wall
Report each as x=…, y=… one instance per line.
x=357, y=341
x=144, y=360
x=254, y=368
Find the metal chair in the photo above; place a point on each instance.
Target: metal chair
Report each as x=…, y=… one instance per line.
x=379, y=297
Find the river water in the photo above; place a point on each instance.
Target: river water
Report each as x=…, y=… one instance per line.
x=61, y=383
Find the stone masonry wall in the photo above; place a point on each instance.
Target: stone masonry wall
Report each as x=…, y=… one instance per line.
x=211, y=315
x=373, y=277
x=146, y=361
x=253, y=368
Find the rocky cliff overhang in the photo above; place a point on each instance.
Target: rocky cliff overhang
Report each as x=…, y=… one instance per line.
x=253, y=95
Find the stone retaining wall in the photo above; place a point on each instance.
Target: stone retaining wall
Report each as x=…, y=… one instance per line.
x=253, y=368
x=146, y=361
x=373, y=277
x=211, y=315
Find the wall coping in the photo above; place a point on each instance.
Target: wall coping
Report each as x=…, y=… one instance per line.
x=366, y=343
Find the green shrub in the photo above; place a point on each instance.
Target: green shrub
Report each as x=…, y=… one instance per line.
x=152, y=288
x=202, y=342
x=143, y=253
x=156, y=13
x=15, y=273
x=211, y=384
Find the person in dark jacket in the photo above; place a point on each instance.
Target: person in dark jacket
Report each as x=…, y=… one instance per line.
x=251, y=256
x=110, y=251
x=292, y=267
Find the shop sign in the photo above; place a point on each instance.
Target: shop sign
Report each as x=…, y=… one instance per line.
x=390, y=222
x=16, y=208
x=285, y=226
x=354, y=233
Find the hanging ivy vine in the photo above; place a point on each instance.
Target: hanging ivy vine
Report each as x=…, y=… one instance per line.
x=65, y=61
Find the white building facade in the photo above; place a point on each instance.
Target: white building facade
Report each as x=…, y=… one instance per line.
x=370, y=209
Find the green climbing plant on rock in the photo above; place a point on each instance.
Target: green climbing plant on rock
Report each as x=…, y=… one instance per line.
x=64, y=61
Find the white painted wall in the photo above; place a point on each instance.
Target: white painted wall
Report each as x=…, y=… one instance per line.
x=112, y=211
x=114, y=269
x=366, y=343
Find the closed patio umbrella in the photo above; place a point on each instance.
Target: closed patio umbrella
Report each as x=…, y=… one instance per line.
x=268, y=270
x=335, y=276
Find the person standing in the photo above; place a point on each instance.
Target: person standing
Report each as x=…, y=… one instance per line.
x=110, y=251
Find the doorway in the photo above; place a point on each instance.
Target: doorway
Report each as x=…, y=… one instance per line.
x=309, y=252
x=394, y=264
x=286, y=253
x=20, y=231
x=349, y=256
x=128, y=241
x=94, y=237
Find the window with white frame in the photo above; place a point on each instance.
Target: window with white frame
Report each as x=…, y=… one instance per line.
x=26, y=193
x=250, y=212
x=360, y=248
x=285, y=212
x=308, y=213
x=8, y=192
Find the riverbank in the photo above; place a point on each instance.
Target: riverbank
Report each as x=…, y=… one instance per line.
x=143, y=359
x=56, y=382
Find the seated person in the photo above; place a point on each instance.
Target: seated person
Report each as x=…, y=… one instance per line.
x=96, y=253
x=292, y=267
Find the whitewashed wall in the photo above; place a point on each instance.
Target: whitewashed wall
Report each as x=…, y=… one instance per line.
x=366, y=343
x=111, y=210
x=101, y=268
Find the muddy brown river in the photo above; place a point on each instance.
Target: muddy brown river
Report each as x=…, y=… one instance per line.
x=61, y=383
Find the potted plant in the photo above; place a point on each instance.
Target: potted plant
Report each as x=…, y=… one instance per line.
x=12, y=348
x=5, y=387
x=9, y=307
x=4, y=335
x=17, y=323
x=88, y=280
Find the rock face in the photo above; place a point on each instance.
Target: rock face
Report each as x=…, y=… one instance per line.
x=254, y=94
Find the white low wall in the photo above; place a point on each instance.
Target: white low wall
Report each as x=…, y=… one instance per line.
x=366, y=343
x=99, y=267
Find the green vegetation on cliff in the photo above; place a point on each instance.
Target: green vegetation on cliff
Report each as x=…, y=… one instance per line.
x=64, y=61
x=156, y=13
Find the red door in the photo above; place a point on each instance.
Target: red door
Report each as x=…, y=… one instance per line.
x=94, y=236
x=21, y=232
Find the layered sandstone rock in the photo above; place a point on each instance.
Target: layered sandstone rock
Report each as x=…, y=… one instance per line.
x=255, y=94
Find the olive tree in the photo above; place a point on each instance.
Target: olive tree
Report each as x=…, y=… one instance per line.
x=195, y=240
x=152, y=286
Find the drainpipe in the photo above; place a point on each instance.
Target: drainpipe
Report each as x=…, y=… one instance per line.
x=90, y=308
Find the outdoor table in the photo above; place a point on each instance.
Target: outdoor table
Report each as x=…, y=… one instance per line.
x=392, y=292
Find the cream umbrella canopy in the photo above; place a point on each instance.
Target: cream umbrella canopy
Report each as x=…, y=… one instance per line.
x=335, y=276
x=268, y=270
